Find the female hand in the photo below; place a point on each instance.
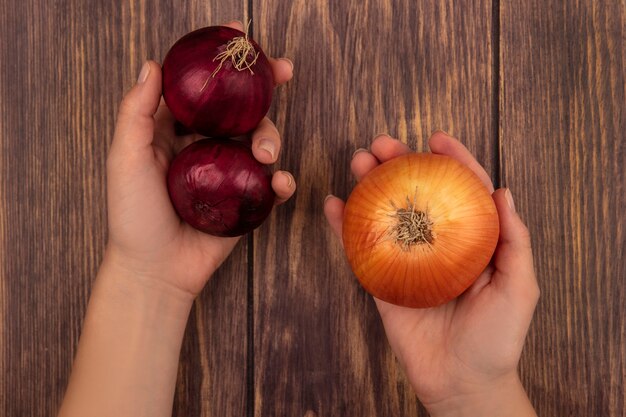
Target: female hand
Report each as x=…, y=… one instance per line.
x=465, y=352
x=155, y=264
x=146, y=237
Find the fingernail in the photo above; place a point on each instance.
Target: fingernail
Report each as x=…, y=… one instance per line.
x=381, y=134
x=359, y=151
x=143, y=75
x=268, y=146
x=289, y=178
x=289, y=61
x=509, y=199
x=442, y=131
x=328, y=197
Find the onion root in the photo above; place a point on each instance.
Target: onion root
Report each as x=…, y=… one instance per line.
x=413, y=227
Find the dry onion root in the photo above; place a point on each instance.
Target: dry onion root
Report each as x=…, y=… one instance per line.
x=419, y=229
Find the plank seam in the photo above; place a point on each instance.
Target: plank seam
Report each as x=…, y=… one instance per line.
x=495, y=99
x=250, y=363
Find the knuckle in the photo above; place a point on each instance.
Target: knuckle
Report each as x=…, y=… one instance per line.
x=126, y=106
x=525, y=238
x=535, y=292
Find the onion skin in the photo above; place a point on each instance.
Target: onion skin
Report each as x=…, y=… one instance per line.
x=465, y=230
x=230, y=102
x=218, y=187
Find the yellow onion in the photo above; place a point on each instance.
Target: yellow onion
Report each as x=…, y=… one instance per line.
x=419, y=229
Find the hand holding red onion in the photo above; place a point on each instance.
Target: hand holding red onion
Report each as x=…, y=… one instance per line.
x=217, y=82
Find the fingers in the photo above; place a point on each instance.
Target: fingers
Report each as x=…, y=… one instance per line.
x=282, y=69
x=444, y=144
x=266, y=142
x=362, y=163
x=284, y=186
x=383, y=149
x=333, y=210
x=235, y=24
x=513, y=259
x=265, y=148
x=135, y=123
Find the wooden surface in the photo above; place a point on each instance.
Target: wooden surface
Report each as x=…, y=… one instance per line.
x=535, y=89
x=562, y=150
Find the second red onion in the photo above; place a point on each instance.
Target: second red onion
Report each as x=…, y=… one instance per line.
x=218, y=187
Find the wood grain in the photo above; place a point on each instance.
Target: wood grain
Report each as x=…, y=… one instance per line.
x=562, y=130
x=53, y=194
x=406, y=68
x=535, y=89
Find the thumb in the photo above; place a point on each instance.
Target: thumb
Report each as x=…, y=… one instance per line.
x=134, y=129
x=333, y=210
x=513, y=259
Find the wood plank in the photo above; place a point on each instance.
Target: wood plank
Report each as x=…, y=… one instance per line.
x=53, y=194
x=562, y=129
x=64, y=69
x=403, y=67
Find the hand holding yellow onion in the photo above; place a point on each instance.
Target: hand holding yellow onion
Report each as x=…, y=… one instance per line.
x=419, y=229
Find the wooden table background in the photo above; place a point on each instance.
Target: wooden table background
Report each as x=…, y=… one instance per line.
x=534, y=88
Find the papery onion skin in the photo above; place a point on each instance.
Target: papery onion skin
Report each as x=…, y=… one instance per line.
x=218, y=187
x=465, y=230
x=225, y=103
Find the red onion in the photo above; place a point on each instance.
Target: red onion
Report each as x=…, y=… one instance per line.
x=217, y=82
x=218, y=187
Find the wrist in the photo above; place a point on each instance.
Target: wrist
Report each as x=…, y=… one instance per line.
x=137, y=275
x=502, y=397
x=145, y=292
x=127, y=358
